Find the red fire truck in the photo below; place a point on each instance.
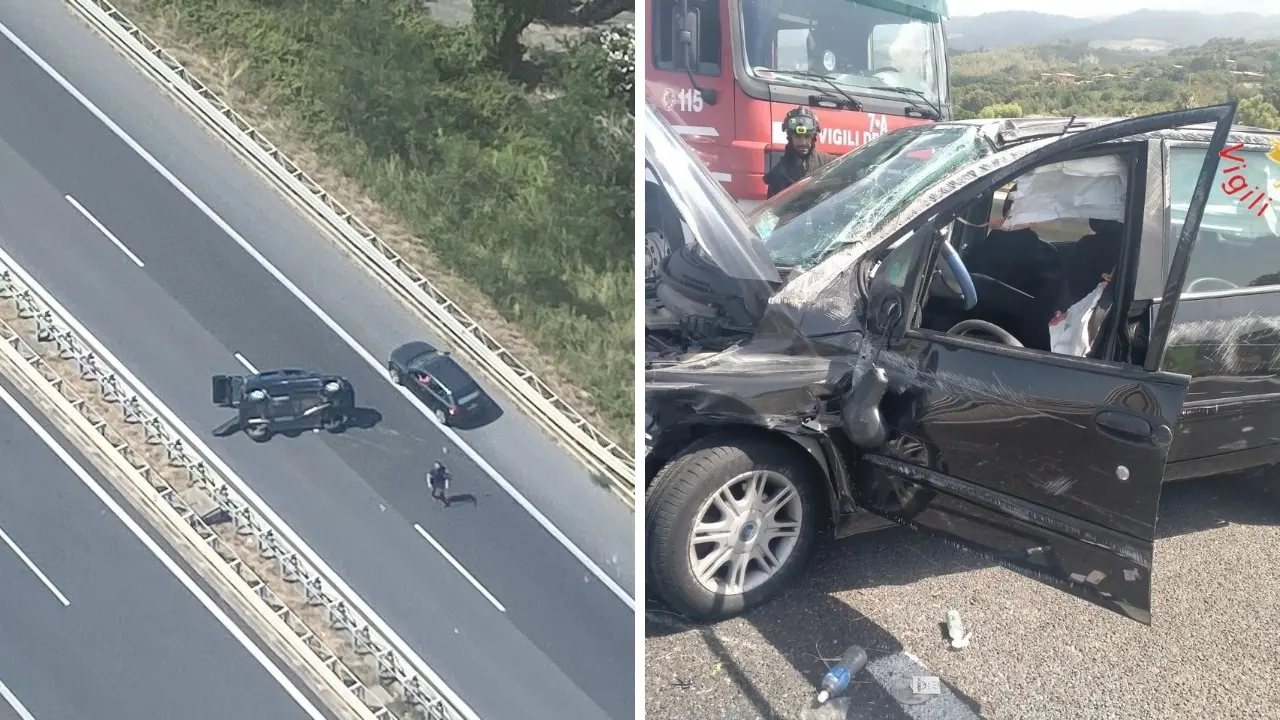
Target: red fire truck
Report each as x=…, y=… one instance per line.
x=725, y=72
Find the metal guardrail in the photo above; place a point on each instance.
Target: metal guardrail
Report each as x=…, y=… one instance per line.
x=575, y=433
x=411, y=682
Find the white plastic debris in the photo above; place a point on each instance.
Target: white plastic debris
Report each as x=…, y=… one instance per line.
x=956, y=630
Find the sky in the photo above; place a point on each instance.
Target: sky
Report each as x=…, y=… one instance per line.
x=1093, y=8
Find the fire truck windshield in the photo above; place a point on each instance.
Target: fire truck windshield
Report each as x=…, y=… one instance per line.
x=855, y=43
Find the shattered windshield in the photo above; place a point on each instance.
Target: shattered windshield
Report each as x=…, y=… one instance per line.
x=851, y=196
x=867, y=46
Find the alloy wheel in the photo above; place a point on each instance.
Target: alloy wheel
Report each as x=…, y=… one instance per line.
x=745, y=532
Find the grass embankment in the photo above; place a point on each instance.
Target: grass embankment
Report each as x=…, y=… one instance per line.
x=525, y=197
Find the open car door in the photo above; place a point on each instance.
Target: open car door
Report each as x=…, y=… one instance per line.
x=1051, y=464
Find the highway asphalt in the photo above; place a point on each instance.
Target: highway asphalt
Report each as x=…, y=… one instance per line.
x=1036, y=653
x=105, y=630
x=564, y=647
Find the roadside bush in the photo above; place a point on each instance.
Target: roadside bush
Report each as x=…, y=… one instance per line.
x=527, y=196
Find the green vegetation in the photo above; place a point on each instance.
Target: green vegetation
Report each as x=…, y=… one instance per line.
x=1074, y=79
x=514, y=168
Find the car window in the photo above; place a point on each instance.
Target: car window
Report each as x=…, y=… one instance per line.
x=1239, y=241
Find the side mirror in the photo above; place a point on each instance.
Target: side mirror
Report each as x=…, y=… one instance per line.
x=687, y=37
x=893, y=292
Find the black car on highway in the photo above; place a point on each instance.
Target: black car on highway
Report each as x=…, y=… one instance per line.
x=1006, y=333
x=284, y=401
x=438, y=380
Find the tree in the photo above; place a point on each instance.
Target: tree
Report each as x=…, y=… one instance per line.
x=500, y=23
x=1256, y=111
x=1001, y=110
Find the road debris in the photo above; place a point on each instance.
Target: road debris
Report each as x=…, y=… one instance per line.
x=837, y=678
x=956, y=630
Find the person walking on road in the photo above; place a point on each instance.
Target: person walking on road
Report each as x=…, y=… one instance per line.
x=438, y=481
x=801, y=158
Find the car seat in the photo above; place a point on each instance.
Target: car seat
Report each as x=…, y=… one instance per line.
x=1092, y=256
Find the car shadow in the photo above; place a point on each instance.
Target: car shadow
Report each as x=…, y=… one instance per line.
x=487, y=415
x=810, y=626
x=362, y=418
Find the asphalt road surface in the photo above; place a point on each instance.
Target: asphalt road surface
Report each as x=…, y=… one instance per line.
x=509, y=618
x=1035, y=653
x=94, y=625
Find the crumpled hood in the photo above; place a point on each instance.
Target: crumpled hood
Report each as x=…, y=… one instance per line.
x=714, y=220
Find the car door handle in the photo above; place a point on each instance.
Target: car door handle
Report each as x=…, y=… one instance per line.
x=1132, y=427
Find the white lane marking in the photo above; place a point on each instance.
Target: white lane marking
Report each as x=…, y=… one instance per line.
x=248, y=365
x=32, y=567
x=263, y=509
x=311, y=710
x=458, y=566
x=103, y=229
x=15, y=703
x=324, y=317
x=890, y=669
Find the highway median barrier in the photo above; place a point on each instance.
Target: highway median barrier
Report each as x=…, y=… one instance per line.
x=298, y=609
x=589, y=445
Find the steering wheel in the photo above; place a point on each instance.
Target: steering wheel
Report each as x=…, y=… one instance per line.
x=964, y=327
x=963, y=279
x=1226, y=285
x=886, y=68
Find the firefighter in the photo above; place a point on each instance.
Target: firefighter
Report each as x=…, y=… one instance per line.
x=802, y=157
x=438, y=480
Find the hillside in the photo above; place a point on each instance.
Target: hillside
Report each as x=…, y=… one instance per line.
x=1150, y=30
x=1070, y=79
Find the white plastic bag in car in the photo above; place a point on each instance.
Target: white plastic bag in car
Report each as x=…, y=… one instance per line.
x=1069, y=329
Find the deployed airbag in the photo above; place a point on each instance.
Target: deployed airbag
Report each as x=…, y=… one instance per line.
x=1084, y=188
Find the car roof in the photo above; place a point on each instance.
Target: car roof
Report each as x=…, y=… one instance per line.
x=448, y=372
x=1005, y=132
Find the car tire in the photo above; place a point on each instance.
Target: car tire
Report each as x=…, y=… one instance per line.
x=681, y=495
x=394, y=374
x=334, y=422
x=442, y=416
x=258, y=432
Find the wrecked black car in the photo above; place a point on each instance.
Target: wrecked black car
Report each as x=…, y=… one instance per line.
x=1006, y=333
x=284, y=401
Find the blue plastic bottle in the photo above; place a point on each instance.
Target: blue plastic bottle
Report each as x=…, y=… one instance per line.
x=838, y=676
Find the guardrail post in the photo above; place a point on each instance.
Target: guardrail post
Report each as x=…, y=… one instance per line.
x=87, y=365
x=339, y=617
x=110, y=387
x=314, y=590
x=131, y=408
x=25, y=303
x=154, y=430
x=177, y=452
x=242, y=518
x=267, y=544
x=68, y=347
x=46, y=329
x=389, y=669
x=291, y=568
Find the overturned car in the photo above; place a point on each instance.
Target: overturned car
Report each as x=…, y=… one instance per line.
x=1006, y=333
x=283, y=401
